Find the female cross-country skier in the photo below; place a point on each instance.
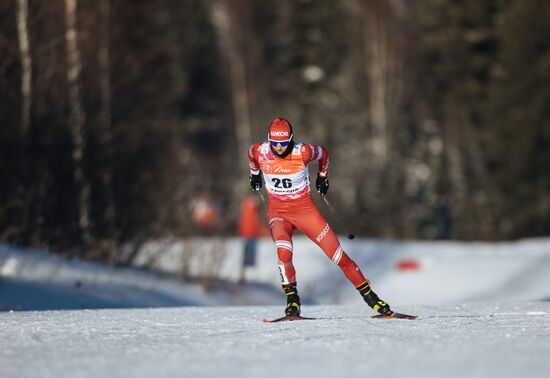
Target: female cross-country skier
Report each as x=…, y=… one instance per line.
x=283, y=164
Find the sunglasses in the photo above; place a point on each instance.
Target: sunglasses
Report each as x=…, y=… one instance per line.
x=283, y=143
x=274, y=143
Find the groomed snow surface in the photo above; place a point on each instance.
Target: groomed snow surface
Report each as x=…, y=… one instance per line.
x=493, y=322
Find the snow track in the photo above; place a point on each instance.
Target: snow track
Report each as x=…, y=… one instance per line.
x=473, y=340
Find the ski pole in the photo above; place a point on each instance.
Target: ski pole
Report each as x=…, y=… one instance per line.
x=262, y=197
x=264, y=202
x=344, y=228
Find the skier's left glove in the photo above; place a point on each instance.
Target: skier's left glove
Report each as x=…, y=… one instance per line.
x=321, y=184
x=255, y=182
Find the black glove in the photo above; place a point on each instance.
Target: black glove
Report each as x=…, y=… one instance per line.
x=255, y=181
x=321, y=184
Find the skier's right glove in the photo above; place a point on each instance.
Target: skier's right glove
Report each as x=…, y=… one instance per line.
x=255, y=182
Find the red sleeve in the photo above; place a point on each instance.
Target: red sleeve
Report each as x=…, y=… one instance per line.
x=253, y=153
x=311, y=152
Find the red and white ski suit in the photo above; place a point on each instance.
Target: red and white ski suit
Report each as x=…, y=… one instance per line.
x=291, y=206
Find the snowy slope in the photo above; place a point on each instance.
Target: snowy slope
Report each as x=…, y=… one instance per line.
x=447, y=272
x=35, y=280
x=465, y=340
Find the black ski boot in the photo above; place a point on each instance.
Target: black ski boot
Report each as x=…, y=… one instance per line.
x=372, y=299
x=292, y=299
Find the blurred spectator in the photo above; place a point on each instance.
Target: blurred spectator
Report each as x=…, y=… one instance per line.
x=204, y=212
x=249, y=229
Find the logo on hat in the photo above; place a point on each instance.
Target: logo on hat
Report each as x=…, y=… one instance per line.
x=279, y=133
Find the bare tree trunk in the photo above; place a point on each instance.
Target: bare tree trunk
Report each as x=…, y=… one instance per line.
x=106, y=123
x=26, y=64
x=453, y=125
x=231, y=40
x=77, y=118
x=384, y=74
x=376, y=58
x=22, y=16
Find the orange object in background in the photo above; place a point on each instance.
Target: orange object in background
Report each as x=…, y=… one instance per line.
x=407, y=265
x=250, y=225
x=249, y=219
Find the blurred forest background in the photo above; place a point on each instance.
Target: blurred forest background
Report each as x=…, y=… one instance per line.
x=117, y=114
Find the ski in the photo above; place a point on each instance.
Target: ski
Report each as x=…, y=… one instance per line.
x=288, y=318
x=395, y=315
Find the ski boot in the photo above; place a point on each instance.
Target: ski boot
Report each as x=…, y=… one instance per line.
x=292, y=299
x=372, y=299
